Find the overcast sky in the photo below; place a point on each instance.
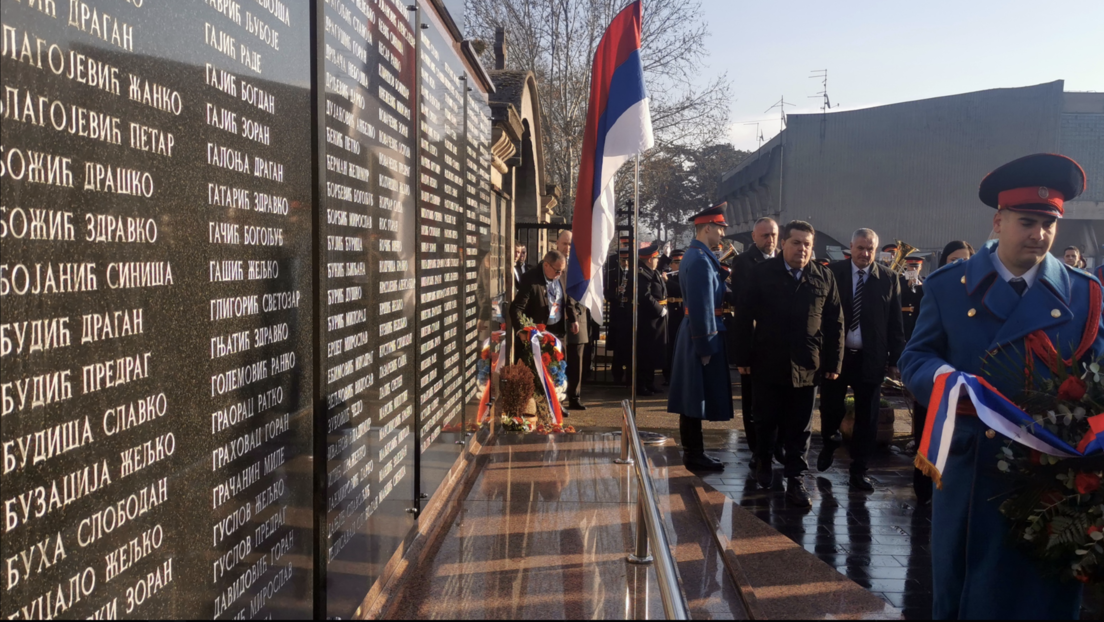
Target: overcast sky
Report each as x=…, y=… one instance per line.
x=883, y=52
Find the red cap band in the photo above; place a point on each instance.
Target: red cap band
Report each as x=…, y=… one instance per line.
x=1033, y=195
x=708, y=220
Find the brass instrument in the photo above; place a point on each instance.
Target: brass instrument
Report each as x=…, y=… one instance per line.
x=729, y=254
x=904, y=249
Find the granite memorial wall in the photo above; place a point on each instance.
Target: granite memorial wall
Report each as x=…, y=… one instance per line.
x=245, y=275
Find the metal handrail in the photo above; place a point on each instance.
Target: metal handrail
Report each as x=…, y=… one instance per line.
x=649, y=526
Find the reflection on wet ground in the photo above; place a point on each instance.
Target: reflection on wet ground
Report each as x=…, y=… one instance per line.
x=543, y=534
x=879, y=540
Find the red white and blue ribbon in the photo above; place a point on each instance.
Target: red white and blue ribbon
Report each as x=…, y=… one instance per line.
x=996, y=411
x=485, y=400
x=536, y=337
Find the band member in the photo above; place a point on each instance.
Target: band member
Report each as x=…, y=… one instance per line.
x=976, y=318
x=887, y=254
x=874, y=338
x=764, y=235
x=620, y=292
x=790, y=337
x=912, y=291
x=651, y=333
x=701, y=387
x=674, y=308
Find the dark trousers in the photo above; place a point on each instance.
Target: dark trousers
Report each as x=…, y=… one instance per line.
x=574, y=360
x=645, y=377
x=747, y=409
x=784, y=414
x=921, y=483
x=868, y=396
x=690, y=429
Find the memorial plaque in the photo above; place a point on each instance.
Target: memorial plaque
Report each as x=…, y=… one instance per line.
x=369, y=326
x=156, y=344
x=440, y=254
x=482, y=268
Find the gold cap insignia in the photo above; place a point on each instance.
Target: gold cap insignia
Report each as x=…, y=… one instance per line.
x=971, y=313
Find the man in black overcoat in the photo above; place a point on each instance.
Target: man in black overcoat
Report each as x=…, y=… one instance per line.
x=764, y=236
x=874, y=338
x=790, y=337
x=651, y=334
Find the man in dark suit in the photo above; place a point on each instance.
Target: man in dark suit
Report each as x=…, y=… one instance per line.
x=790, y=336
x=520, y=267
x=576, y=340
x=542, y=298
x=874, y=339
x=765, y=238
x=674, y=308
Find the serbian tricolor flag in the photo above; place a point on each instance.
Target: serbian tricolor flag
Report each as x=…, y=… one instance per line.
x=996, y=411
x=619, y=126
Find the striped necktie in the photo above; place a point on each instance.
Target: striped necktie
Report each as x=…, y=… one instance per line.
x=856, y=305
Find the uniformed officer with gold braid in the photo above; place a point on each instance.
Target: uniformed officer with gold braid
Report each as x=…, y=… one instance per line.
x=975, y=318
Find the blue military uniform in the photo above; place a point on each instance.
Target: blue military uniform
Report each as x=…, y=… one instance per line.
x=701, y=391
x=971, y=317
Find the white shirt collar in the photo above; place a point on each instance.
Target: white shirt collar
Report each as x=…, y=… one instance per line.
x=766, y=256
x=855, y=270
x=1028, y=277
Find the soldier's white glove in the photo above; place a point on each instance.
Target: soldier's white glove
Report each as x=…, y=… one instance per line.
x=663, y=312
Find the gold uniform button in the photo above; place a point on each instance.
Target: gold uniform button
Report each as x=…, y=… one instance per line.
x=964, y=280
x=971, y=313
x=990, y=434
x=1056, y=313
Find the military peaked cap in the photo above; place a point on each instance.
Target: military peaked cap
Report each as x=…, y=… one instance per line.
x=714, y=215
x=1039, y=183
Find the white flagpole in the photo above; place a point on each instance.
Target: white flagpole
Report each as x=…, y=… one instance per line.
x=636, y=271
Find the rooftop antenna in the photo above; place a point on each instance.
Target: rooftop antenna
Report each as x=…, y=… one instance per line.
x=781, y=105
x=822, y=74
x=758, y=134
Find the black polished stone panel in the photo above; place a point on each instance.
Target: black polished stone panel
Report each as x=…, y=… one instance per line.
x=482, y=267
x=440, y=251
x=369, y=275
x=156, y=202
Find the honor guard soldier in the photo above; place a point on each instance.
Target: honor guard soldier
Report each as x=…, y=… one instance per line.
x=651, y=331
x=701, y=387
x=976, y=317
x=674, y=309
x=887, y=254
x=912, y=291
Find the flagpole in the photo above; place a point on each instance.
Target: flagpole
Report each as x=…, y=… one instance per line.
x=636, y=271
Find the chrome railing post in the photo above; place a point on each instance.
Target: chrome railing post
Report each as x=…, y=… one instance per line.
x=624, y=459
x=650, y=529
x=641, y=556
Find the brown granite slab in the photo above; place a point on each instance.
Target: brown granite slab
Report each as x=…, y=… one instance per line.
x=780, y=579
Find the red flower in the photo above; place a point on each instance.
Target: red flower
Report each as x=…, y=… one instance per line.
x=486, y=354
x=1081, y=577
x=559, y=355
x=1091, y=530
x=542, y=328
x=1072, y=390
x=1087, y=483
x=549, y=340
x=547, y=360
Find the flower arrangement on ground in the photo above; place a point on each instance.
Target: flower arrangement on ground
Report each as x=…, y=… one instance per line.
x=545, y=352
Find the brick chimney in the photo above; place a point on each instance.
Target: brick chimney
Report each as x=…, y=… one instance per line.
x=500, y=48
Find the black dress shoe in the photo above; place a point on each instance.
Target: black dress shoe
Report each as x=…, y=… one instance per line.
x=797, y=494
x=575, y=405
x=861, y=482
x=701, y=462
x=764, y=475
x=780, y=455
x=824, y=460
x=644, y=392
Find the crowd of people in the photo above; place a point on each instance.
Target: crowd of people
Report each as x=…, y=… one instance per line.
x=794, y=326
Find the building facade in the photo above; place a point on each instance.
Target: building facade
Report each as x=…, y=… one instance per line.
x=910, y=171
